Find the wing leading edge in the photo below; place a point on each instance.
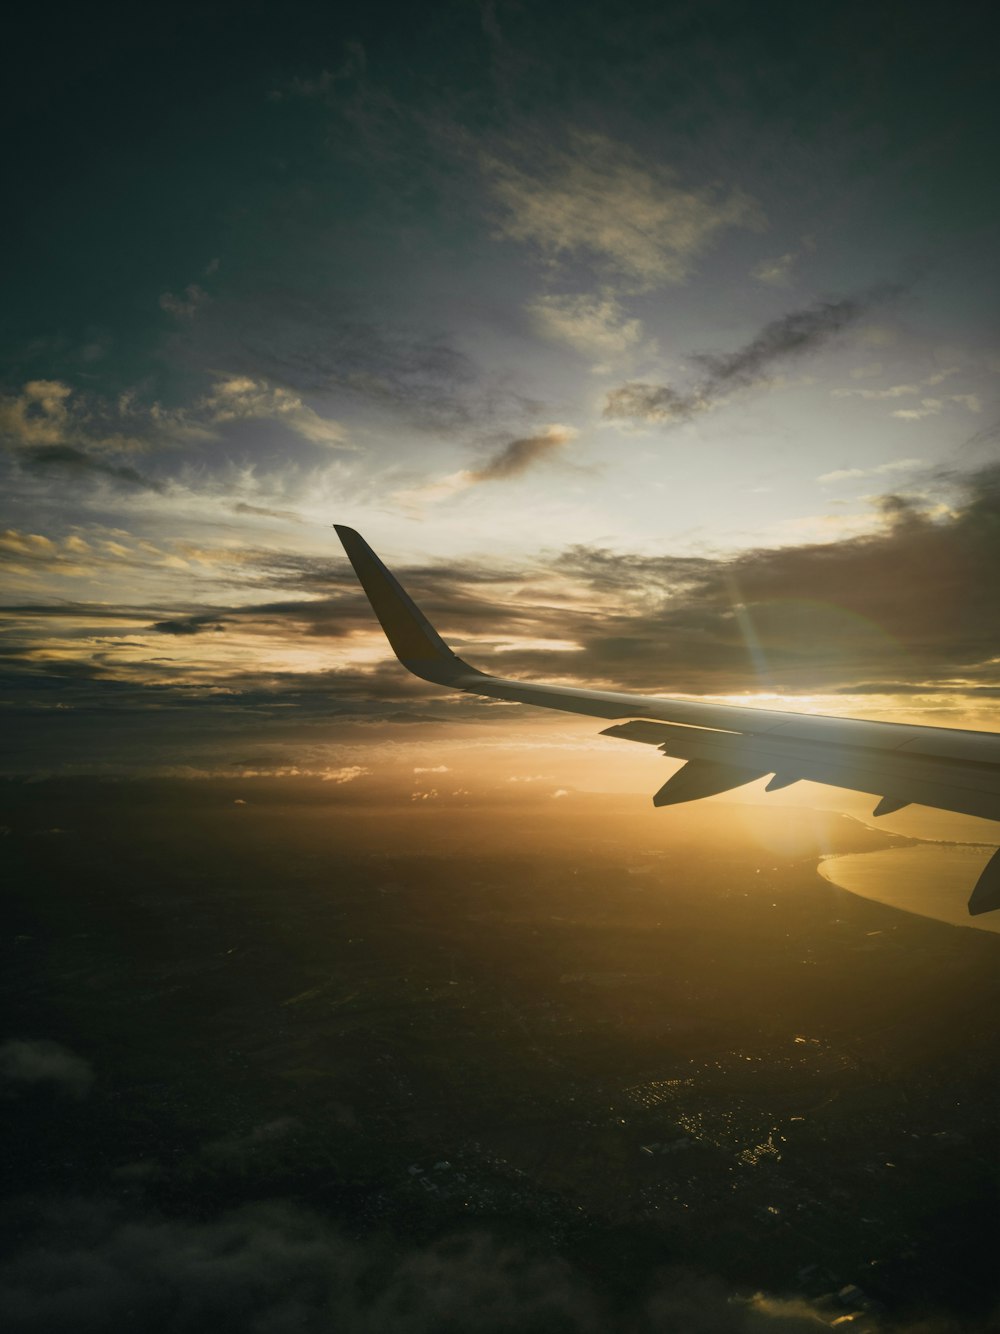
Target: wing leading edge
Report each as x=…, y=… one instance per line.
x=726, y=746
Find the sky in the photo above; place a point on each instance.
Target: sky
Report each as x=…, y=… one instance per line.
x=654, y=346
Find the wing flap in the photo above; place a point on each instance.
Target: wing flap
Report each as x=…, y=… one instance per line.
x=900, y=778
x=703, y=778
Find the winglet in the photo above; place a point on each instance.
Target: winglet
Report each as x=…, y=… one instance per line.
x=413, y=639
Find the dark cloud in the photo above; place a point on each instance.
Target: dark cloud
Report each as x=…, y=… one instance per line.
x=793, y=335
x=330, y=617
x=67, y=458
x=87, y=717
x=45, y=1063
x=910, y=603
x=263, y=512
x=516, y=457
x=188, y=625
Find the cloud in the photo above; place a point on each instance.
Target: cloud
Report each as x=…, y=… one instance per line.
x=596, y=200
x=510, y=461
x=48, y=429
x=246, y=1149
x=263, y=512
x=775, y=272
x=189, y=625
x=185, y=307
x=240, y=398
x=893, y=391
x=45, y=1063
x=642, y=402
x=38, y=415
x=793, y=335
x=905, y=602
x=50, y=426
x=594, y=325
x=89, y=1265
x=928, y=407
x=518, y=456
x=67, y=458
x=879, y=470
x=970, y=401
x=71, y=555
x=346, y=774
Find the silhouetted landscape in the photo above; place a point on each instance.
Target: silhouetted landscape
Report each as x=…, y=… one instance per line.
x=596, y=1063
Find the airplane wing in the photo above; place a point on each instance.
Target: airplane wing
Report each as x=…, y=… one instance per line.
x=726, y=745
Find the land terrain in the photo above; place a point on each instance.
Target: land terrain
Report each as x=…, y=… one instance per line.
x=632, y=1044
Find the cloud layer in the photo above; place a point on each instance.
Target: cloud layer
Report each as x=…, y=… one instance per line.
x=902, y=611
x=273, y=1268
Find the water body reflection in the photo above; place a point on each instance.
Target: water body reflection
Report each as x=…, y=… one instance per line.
x=932, y=879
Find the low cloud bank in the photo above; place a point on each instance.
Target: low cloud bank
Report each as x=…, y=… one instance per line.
x=46, y=1063
x=275, y=1268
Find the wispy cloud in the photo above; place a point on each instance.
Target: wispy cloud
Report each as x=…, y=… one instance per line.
x=794, y=335
x=879, y=470
x=510, y=461
x=598, y=201
x=891, y=391
x=241, y=398
x=187, y=305
x=930, y=407
x=777, y=271
x=594, y=325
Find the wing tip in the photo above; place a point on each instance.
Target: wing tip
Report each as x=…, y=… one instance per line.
x=412, y=637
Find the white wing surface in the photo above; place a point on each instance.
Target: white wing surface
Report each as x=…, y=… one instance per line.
x=724, y=745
